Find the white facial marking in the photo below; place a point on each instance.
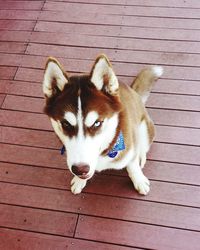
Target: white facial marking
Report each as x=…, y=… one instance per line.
x=71, y=118
x=91, y=118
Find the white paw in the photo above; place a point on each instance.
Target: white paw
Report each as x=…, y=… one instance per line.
x=142, y=184
x=77, y=185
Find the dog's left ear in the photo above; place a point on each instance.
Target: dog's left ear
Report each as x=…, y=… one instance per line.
x=55, y=78
x=103, y=76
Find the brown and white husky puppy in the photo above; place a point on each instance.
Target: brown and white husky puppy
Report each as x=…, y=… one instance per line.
x=102, y=124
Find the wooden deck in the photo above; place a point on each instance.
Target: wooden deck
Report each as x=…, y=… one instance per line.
x=37, y=209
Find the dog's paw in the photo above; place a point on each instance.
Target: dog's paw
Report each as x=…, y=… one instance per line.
x=77, y=185
x=142, y=184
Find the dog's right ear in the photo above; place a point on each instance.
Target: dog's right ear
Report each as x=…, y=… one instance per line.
x=55, y=78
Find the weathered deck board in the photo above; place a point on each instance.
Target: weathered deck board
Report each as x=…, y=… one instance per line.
x=117, y=207
x=37, y=208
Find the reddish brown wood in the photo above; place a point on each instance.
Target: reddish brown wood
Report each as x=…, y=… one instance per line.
x=118, y=208
x=164, y=3
x=2, y=97
x=12, y=47
x=24, y=119
x=22, y=5
x=29, y=103
x=14, y=239
x=15, y=36
x=16, y=25
x=38, y=220
x=7, y=72
x=21, y=88
x=110, y=42
x=19, y=14
x=137, y=235
x=126, y=10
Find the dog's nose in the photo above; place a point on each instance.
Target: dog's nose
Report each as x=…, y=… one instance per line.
x=80, y=169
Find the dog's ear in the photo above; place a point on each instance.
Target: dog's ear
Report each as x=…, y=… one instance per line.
x=103, y=76
x=55, y=78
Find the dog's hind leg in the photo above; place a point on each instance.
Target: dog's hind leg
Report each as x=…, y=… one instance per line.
x=140, y=181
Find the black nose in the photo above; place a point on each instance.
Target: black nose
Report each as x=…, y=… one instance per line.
x=80, y=169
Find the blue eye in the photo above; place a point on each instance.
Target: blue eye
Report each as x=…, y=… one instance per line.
x=97, y=124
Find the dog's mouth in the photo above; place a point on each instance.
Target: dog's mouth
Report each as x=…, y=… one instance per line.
x=84, y=176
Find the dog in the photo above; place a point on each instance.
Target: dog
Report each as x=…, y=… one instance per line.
x=102, y=124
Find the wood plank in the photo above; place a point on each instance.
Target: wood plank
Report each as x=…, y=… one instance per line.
x=126, y=10
x=177, y=87
x=174, y=153
x=38, y=220
x=7, y=72
x=2, y=97
x=14, y=239
x=28, y=103
x=163, y=3
x=21, y=88
x=25, y=120
x=147, y=236
x=12, y=47
x=119, y=42
x=117, y=208
x=178, y=135
x=27, y=137
x=45, y=157
x=17, y=25
x=21, y=5
x=180, y=102
x=162, y=58
x=19, y=14
x=92, y=18
x=15, y=36
x=175, y=118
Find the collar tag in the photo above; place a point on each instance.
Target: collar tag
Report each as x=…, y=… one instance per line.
x=119, y=146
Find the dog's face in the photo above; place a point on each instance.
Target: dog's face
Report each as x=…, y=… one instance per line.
x=84, y=112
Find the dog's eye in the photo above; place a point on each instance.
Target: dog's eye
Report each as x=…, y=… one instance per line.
x=97, y=124
x=66, y=124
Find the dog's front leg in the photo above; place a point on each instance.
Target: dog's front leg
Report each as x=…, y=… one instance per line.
x=140, y=181
x=77, y=185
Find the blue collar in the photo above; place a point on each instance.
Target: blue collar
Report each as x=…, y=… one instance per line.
x=119, y=146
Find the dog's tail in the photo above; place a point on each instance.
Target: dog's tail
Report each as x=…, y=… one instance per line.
x=145, y=80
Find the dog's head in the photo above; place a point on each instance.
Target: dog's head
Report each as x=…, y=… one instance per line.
x=84, y=112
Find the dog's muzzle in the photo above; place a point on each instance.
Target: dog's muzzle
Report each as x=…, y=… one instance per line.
x=81, y=170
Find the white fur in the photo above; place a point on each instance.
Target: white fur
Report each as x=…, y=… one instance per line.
x=53, y=71
x=91, y=118
x=106, y=162
x=101, y=69
x=71, y=118
x=77, y=185
x=140, y=181
x=157, y=70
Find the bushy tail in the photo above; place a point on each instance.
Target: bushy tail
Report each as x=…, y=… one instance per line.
x=145, y=80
